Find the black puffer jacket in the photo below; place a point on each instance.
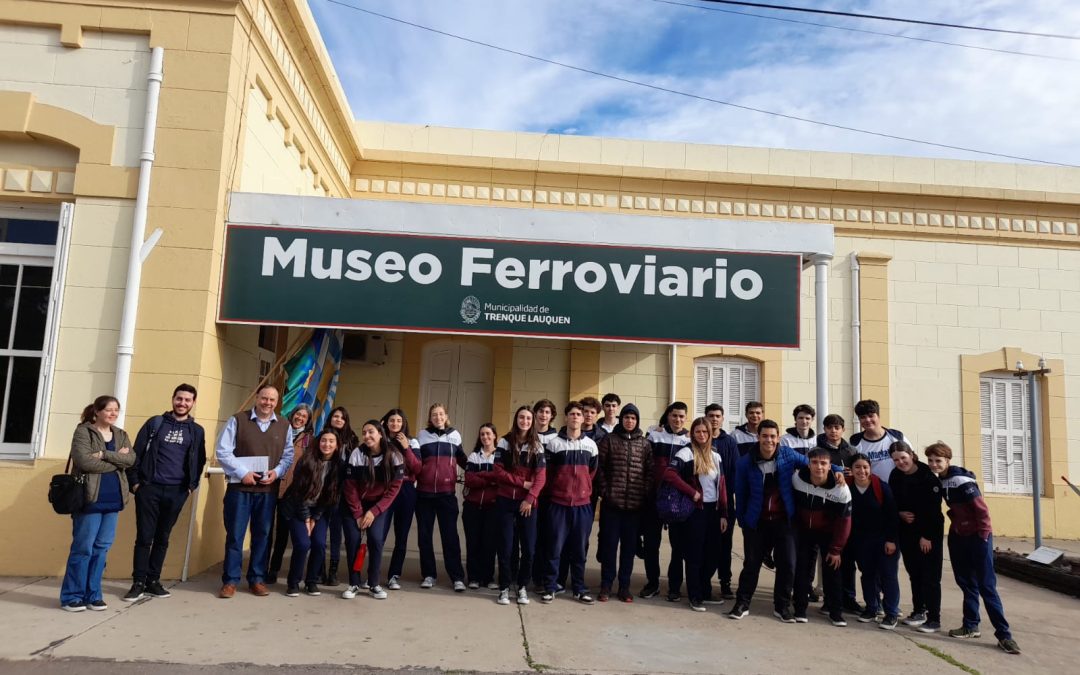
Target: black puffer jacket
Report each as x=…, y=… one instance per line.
x=625, y=472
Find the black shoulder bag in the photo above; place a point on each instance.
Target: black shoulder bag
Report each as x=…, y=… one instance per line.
x=67, y=492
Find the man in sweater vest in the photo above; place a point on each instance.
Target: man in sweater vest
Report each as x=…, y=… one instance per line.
x=255, y=449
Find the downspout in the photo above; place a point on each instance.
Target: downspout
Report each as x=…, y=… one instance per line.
x=671, y=375
x=125, y=346
x=856, y=336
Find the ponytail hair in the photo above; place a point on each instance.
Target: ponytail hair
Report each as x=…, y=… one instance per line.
x=90, y=412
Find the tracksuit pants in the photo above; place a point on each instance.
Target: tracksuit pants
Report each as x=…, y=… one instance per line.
x=515, y=529
x=723, y=560
x=481, y=535
x=308, y=551
x=375, y=536
x=810, y=545
x=924, y=571
x=568, y=532
x=694, y=542
x=973, y=567
x=651, y=535
x=443, y=507
x=769, y=536
x=879, y=573
x=402, y=512
x=618, y=540
x=541, y=556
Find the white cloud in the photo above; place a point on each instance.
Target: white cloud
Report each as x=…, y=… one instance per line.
x=1010, y=104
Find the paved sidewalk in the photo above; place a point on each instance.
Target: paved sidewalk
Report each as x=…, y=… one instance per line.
x=439, y=630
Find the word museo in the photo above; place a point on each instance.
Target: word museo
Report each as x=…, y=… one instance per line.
x=512, y=273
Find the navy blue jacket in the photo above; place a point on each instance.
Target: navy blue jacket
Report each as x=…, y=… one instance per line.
x=146, y=457
x=728, y=449
x=750, y=483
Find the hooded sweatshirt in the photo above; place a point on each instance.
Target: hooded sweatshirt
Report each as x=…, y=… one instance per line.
x=801, y=444
x=841, y=454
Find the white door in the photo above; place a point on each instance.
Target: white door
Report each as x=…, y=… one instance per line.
x=458, y=375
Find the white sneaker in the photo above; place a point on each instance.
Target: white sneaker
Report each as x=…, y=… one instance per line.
x=523, y=596
x=474, y=585
x=350, y=592
x=428, y=582
x=459, y=586
x=493, y=586
x=393, y=584
x=378, y=593
x=504, y=597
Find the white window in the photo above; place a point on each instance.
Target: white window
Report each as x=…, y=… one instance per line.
x=1004, y=427
x=730, y=382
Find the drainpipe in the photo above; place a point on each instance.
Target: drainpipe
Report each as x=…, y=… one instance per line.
x=671, y=375
x=125, y=346
x=821, y=332
x=856, y=335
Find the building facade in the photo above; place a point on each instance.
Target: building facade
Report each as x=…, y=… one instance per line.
x=942, y=274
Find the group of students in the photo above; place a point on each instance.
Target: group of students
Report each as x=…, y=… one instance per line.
x=808, y=505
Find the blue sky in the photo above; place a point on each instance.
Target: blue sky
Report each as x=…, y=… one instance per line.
x=1004, y=103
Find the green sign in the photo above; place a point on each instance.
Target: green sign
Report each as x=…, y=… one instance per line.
x=436, y=284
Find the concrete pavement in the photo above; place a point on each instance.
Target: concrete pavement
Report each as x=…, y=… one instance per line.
x=438, y=630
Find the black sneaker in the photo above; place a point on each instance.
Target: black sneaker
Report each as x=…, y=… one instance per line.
x=155, y=590
x=929, y=627
x=740, y=610
x=915, y=619
x=311, y=588
x=838, y=620
x=814, y=596
x=800, y=617
x=77, y=606
x=784, y=614
x=651, y=590
x=1009, y=646
x=726, y=592
x=584, y=598
x=697, y=606
x=293, y=591
x=868, y=616
x=674, y=597
x=852, y=606
x=889, y=622
x=97, y=606
x=546, y=597
x=136, y=592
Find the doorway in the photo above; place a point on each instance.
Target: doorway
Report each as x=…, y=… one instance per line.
x=458, y=375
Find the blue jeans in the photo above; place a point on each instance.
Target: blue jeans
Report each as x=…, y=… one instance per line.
x=241, y=510
x=91, y=536
x=973, y=568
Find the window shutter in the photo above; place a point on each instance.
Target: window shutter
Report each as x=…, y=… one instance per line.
x=986, y=433
x=701, y=388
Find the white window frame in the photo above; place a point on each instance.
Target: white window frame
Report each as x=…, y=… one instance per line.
x=708, y=391
x=54, y=256
x=1004, y=433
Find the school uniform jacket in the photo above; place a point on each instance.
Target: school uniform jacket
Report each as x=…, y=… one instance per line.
x=801, y=444
x=878, y=451
x=823, y=510
x=680, y=473
x=409, y=457
x=528, y=468
x=967, y=508
x=439, y=451
x=571, y=467
x=665, y=443
x=744, y=439
x=481, y=481
x=364, y=485
x=750, y=482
